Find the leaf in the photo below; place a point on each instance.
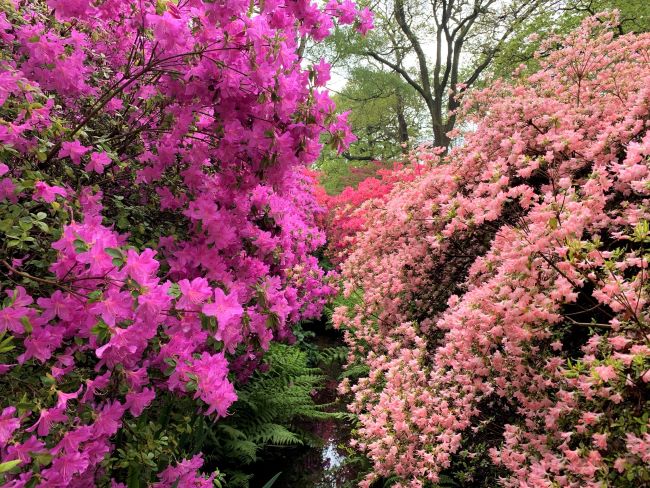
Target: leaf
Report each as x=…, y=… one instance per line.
x=114, y=252
x=9, y=465
x=26, y=324
x=174, y=290
x=270, y=482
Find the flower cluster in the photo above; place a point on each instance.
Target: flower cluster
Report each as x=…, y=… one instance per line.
x=158, y=229
x=504, y=314
x=347, y=211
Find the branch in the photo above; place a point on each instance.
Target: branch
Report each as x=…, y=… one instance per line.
x=401, y=71
x=349, y=157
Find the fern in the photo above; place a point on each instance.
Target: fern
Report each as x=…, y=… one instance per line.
x=355, y=371
x=270, y=408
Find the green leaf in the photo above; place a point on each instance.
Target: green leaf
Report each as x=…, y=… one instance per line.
x=270, y=482
x=26, y=324
x=114, y=252
x=174, y=290
x=9, y=465
x=80, y=246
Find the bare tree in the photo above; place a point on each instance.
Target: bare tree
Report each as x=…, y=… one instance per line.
x=439, y=46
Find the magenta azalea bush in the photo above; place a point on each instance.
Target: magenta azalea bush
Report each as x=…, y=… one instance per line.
x=157, y=228
x=503, y=310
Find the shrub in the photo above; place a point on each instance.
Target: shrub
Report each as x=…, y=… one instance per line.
x=157, y=227
x=505, y=310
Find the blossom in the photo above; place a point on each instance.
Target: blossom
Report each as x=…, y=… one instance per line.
x=322, y=73
x=74, y=150
x=212, y=385
x=137, y=402
x=101, y=315
x=224, y=308
x=9, y=423
x=48, y=417
x=114, y=307
x=47, y=192
x=193, y=293
x=141, y=266
x=98, y=161
x=606, y=373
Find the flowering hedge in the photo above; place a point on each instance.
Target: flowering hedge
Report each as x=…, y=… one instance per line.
x=505, y=317
x=129, y=126
x=346, y=212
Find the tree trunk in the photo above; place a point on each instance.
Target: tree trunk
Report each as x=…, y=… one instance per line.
x=402, y=127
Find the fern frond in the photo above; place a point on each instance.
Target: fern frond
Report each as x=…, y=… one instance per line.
x=276, y=434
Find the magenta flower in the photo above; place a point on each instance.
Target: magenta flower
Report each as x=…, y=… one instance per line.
x=224, y=308
x=114, y=307
x=109, y=419
x=58, y=305
x=47, y=192
x=137, y=402
x=74, y=150
x=193, y=293
x=9, y=423
x=322, y=73
x=98, y=161
x=141, y=266
x=47, y=418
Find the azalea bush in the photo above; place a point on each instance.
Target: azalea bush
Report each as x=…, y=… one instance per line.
x=157, y=228
x=347, y=211
x=502, y=305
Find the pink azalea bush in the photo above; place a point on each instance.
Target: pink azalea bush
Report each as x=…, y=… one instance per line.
x=158, y=230
x=504, y=314
x=346, y=212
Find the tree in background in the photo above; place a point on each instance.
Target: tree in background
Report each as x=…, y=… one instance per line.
x=383, y=113
x=438, y=48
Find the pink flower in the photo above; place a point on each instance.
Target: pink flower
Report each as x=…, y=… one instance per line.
x=137, y=402
x=322, y=73
x=114, y=307
x=98, y=161
x=109, y=419
x=606, y=373
x=224, y=308
x=193, y=293
x=213, y=387
x=47, y=192
x=64, y=467
x=142, y=267
x=619, y=464
x=365, y=23
x=58, y=305
x=74, y=150
x=9, y=423
x=48, y=417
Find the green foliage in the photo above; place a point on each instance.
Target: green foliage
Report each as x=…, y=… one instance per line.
x=376, y=100
x=384, y=114
x=337, y=173
x=634, y=16
x=270, y=413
